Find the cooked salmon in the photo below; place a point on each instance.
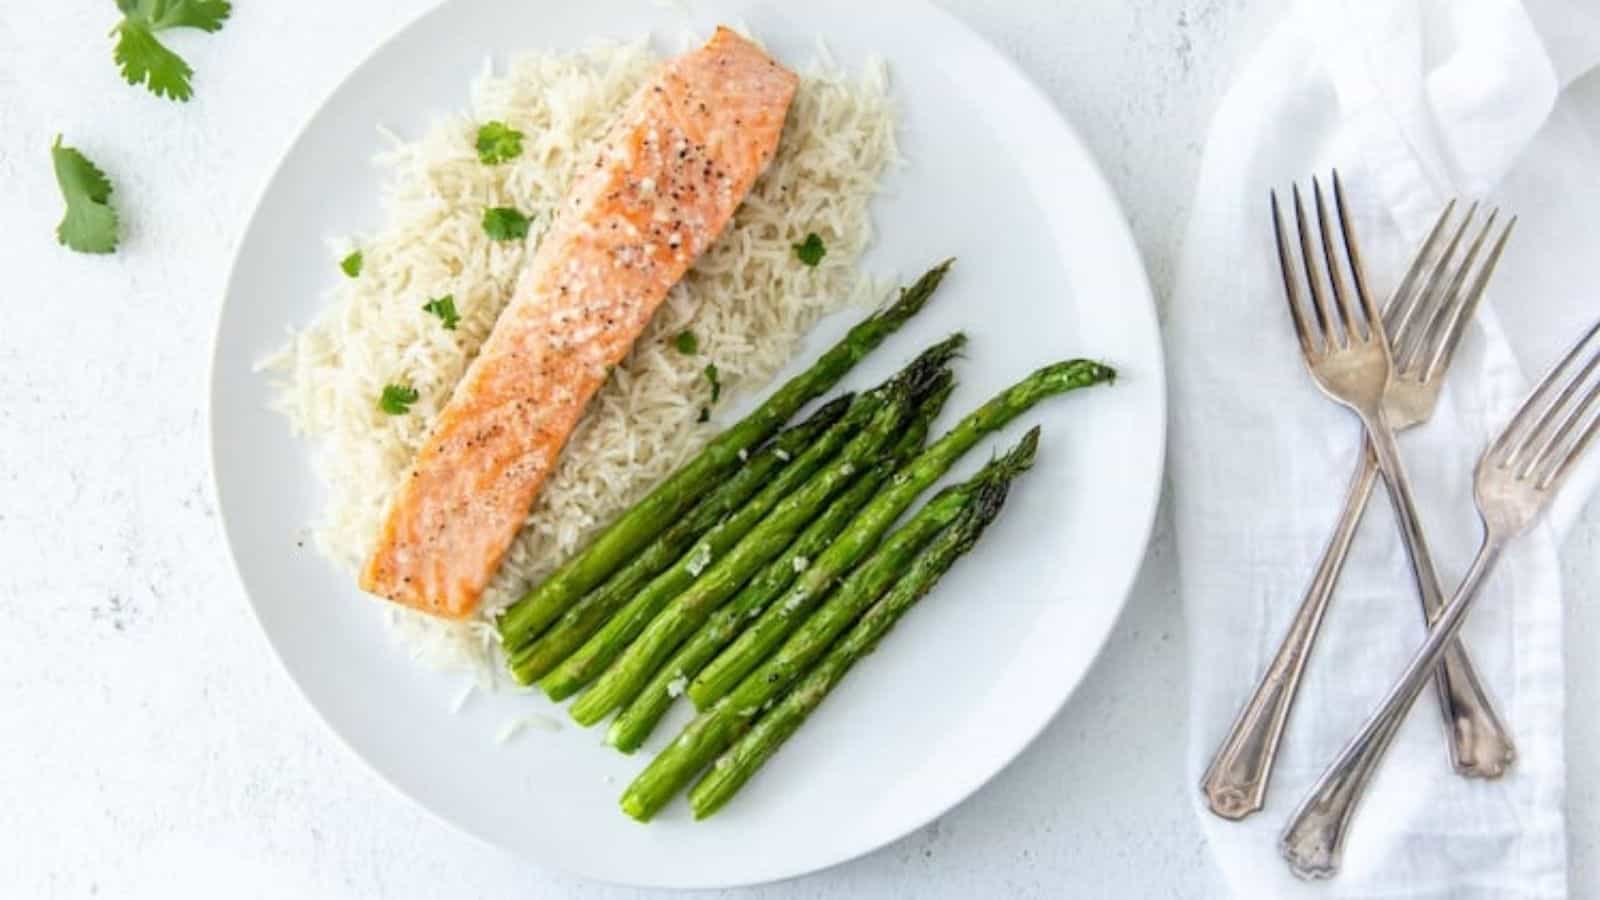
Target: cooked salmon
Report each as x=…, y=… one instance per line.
x=686, y=149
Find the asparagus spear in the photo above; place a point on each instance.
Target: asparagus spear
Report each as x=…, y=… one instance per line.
x=766, y=633
x=713, y=730
x=578, y=623
x=592, y=658
x=635, y=724
x=679, y=618
x=628, y=673
x=540, y=606
x=741, y=761
x=589, y=660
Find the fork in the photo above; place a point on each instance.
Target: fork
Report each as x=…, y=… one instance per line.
x=1425, y=318
x=1516, y=477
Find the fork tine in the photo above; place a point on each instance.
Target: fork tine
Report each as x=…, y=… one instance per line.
x=1341, y=294
x=1291, y=291
x=1552, y=452
x=1409, y=289
x=1358, y=271
x=1516, y=431
x=1427, y=295
x=1562, y=469
x=1445, y=349
x=1435, y=319
x=1319, y=294
x=1540, y=442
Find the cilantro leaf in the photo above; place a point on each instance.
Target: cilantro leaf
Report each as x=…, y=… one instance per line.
x=90, y=225
x=504, y=223
x=206, y=15
x=687, y=343
x=498, y=142
x=397, y=399
x=143, y=59
x=716, y=382
x=352, y=264
x=812, y=251
x=445, y=308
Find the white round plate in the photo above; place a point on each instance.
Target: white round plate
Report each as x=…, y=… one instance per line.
x=1046, y=270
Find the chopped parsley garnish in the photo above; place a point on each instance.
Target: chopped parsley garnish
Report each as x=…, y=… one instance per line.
x=144, y=59
x=445, y=308
x=811, y=251
x=716, y=382
x=90, y=225
x=504, y=223
x=687, y=343
x=498, y=142
x=351, y=264
x=397, y=399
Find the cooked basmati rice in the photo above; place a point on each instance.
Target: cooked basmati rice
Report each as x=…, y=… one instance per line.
x=748, y=301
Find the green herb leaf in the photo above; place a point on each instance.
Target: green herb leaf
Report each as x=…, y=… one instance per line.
x=90, y=225
x=206, y=15
x=445, y=308
x=504, y=223
x=143, y=59
x=716, y=382
x=498, y=142
x=705, y=414
x=351, y=264
x=397, y=399
x=811, y=252
x=687, y=343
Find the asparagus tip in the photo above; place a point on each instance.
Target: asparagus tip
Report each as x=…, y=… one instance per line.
x=930, y=401
x=1016, y=460
x=986, y=505
x=914, y=295
x=949, y=348
x=831, y=411
x=923, y=375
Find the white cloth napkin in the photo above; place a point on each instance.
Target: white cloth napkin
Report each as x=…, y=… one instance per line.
x=1413, y=102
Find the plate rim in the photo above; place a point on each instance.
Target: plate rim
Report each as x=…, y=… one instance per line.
x=1147, y=311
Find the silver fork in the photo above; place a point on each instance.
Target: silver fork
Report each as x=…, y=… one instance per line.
x=1515, y=479
x=1425, y=318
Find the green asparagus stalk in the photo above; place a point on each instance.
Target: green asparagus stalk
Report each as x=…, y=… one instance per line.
x=682, y=616
x=590, y=660
x=576, y=625
x=635, y=724
x=713, y=730
x=621, y=540
x=629, y=672
x=734, y=768
x=630, y=729
x=758, y=641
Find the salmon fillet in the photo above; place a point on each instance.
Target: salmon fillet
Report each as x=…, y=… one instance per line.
x=683, y=154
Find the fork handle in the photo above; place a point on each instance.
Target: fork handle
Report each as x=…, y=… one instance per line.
x=1235, y=785
x=1479, y=744
x=1313, y=842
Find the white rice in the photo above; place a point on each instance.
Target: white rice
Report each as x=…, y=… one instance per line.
x=748, y=302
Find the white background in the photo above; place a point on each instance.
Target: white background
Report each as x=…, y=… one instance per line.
x=150, y=746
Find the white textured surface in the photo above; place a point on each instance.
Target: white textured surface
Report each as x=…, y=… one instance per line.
x=149, y=745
